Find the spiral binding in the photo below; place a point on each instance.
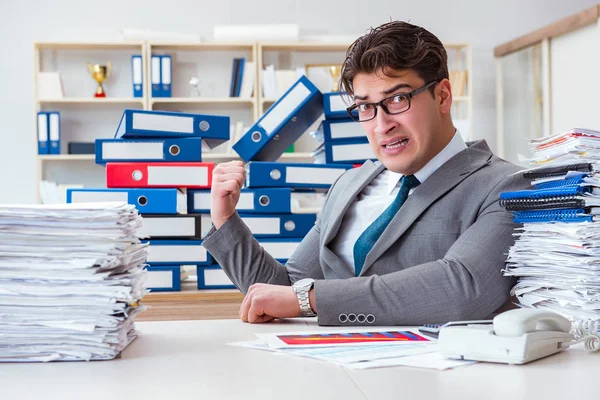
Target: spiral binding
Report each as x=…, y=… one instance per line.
x=559, y=184
x=564, y=215
x=555, y=202
x=551, y=172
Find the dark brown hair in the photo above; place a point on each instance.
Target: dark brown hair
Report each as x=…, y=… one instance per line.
x=395, y=45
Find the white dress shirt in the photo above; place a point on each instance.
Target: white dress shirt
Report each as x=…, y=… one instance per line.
x=377, y=196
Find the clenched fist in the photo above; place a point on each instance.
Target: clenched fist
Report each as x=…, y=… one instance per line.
x=228, y=178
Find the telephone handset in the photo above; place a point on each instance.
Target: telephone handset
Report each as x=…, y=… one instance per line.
x=515, y=337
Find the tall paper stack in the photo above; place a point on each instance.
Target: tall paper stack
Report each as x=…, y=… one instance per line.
x=556, y=256
x=71, y=281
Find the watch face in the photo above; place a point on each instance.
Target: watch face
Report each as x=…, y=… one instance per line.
x=304, y=282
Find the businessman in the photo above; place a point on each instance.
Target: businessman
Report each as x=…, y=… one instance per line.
x=416, y=237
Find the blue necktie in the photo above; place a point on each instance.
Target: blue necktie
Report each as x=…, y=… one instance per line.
x=367, y=239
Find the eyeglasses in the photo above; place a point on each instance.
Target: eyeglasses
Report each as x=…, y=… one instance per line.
x=396, y=104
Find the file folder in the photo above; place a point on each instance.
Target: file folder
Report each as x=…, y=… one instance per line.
x=54, y=132
x=334, y=105
x=279, y=225
x=293, y=175
x=165, y=74
x=213, y=277
x=163, y=279
x=178, y=149
x=262, y=200
x=341, y=129
x=159, y=175
x=179, y=252
x=282, y=124
x=280, y=249
x=559, y=170
x=560, y=183
x=147, y=201
x=171, y=227
x=137, y=76
x=345, y=151
x=155, y=76
x=148, y=124
x=42, y=129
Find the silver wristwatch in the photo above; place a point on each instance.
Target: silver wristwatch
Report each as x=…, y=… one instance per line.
x=302, y=288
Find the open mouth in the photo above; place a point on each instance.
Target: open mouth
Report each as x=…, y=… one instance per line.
x=398, y=143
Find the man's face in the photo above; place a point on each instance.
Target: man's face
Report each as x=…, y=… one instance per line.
x=405, y=142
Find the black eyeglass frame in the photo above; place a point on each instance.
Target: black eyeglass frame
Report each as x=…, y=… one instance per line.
x=353, y=112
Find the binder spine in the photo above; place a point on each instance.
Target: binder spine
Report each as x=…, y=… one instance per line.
x=545, y=193
x=564, y=215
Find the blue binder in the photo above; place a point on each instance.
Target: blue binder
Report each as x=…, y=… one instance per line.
x=147, y=201
x=54, y=132
x=122, y=150
x=293, y=175
x=280, y=249
x=282, y=124
x=355, y=151
x=165, y=278
x=240, y=75
x=263, y=200
x=565, y=215
x=340, y=129
x=165, y=76
x=169, y=226
x=213, y=129
x=177, y=252
x=279, y=225
x=213, y=277
x=335, y=105
x=137, y=76
x=155, y=76
x=42, y=129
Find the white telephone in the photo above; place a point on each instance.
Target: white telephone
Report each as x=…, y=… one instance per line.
x=514, y=337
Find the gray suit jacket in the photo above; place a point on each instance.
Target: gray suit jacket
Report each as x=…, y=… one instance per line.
x=440, y=258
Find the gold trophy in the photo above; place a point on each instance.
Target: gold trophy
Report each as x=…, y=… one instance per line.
x=100, y=73
x=319, y=71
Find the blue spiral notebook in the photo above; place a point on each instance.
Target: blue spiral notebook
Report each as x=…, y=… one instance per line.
x=564, y=215
x=561, y=183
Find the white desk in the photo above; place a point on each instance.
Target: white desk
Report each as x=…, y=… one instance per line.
x=190, y=359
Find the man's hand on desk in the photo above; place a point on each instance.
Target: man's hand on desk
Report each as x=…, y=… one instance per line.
x=264, y=303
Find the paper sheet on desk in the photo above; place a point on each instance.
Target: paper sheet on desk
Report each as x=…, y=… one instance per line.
x=344, y=355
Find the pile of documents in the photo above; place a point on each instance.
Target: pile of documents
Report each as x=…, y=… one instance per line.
x=557, y=252
x=71, y=281
x=357, y=348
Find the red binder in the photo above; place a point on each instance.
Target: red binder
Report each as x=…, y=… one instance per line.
x=159, y=175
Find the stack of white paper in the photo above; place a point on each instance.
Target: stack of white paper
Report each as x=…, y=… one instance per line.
x=575, y=145
x=71, y=280
x=558, y=262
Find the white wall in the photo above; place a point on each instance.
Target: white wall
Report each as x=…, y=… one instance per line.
x=485, y=24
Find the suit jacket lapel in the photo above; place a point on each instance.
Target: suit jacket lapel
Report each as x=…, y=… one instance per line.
x=439, y=183
x=365, y=175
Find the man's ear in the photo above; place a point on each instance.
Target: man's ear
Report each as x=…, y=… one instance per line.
x=444, y=96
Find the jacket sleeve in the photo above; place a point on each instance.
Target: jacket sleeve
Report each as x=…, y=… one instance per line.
x=466, y=284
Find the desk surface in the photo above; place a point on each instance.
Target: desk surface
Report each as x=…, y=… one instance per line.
x=190, y=359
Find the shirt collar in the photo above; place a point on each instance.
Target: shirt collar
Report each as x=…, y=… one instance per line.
x=455, y=146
